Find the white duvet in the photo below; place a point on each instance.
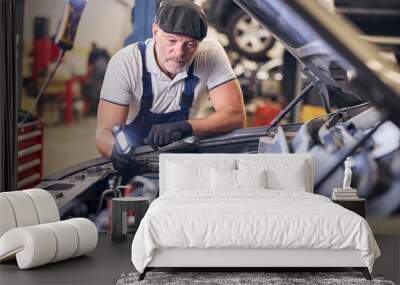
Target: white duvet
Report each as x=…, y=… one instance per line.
x=257, y=218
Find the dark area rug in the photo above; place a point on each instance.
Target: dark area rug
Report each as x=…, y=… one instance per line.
x=230, y=278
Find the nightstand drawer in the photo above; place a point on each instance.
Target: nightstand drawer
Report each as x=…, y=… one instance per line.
x=357, y=206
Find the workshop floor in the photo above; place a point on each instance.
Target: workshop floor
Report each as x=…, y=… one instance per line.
x=67, y=145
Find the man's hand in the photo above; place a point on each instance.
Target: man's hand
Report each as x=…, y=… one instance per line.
x=163, y=134
x=123, y=162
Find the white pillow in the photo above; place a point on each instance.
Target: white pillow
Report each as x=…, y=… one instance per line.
x=223, y=179
x=226, y=179
x=293, y=180
x=251, y=178
x=191, y=176
x=288, y=175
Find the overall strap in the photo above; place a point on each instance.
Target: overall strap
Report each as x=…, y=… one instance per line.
x=188, y=92
x=147, y=96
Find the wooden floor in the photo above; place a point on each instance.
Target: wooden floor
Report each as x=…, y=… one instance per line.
x=102, y=266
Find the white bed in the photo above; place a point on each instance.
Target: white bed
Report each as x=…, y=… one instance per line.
x=198, y=223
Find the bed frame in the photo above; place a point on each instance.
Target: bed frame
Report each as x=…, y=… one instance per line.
x=242, y=258
x=256, y=258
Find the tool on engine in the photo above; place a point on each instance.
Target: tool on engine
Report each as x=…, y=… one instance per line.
x=120, y=139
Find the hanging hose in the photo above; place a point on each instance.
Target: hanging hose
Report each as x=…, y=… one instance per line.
x=42, y=88
x=64, y=38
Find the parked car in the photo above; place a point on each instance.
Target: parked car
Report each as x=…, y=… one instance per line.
x=380, y=20
x=246, y=35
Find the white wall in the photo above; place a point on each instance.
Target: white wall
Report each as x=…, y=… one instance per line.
x=106, y=22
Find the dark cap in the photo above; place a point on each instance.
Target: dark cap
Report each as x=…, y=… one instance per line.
x=182, y=17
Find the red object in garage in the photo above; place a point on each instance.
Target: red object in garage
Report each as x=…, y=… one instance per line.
x=42, y=55
x=69, y=97
x=44, y=52
x=265, y=113
x=30, y=154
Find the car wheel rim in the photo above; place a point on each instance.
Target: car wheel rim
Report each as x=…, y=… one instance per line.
x=250, y=35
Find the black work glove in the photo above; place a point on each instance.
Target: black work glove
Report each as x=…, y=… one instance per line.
x=123, y=162
x=163, y=134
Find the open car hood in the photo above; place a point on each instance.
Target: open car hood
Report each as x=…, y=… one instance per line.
x=330, y=50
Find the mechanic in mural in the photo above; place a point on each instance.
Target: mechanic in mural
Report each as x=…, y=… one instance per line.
x=153, y=87
x=97, y=65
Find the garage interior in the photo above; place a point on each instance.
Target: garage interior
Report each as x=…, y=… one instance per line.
x=49, y=97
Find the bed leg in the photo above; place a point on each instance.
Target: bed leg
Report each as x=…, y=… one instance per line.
x=143, y=274
x=364, y=271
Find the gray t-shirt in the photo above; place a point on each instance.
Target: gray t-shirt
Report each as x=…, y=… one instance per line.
x=123, y=80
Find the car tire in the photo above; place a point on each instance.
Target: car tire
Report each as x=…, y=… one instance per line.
x=248, y=37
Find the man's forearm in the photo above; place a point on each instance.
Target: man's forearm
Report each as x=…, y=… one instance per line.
x=104, y=143
x=218, y=122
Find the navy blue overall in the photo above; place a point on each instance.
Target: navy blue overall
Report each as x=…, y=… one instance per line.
x=139, y=128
